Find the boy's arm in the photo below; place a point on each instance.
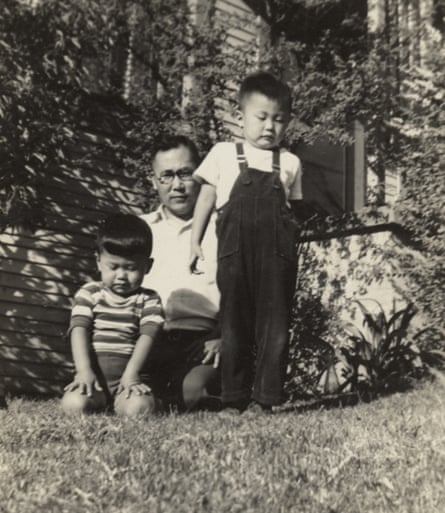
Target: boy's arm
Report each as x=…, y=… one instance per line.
x=130, y=379
x=150, y=323
x=85, y=379
x=203, y=209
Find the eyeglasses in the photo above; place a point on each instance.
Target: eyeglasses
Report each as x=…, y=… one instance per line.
x=166, y=177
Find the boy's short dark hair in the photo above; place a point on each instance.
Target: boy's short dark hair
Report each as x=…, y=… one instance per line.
x=266, y=84
x=125, y=235
x=171, y=142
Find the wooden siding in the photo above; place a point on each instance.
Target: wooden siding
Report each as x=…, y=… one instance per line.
x=41, y=271
x=241, y=24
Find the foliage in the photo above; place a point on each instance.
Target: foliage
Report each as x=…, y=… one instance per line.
x=384, y=358
x=421, y=159
x=44, y=53
x=313, y=319
x=55, y=57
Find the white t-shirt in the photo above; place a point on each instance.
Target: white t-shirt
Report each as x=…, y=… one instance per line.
x=220, y=168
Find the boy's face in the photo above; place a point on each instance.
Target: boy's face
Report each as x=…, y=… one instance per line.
x=122, y=275
x=264, y=121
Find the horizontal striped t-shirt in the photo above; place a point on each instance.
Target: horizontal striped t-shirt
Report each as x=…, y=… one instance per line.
x=115, y=321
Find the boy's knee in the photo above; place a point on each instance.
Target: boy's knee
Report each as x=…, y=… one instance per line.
x=75, y=403
x=143, y=404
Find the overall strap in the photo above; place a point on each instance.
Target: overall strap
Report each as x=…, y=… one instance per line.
x=242, y=163
x=276, y=160
x=276, y=168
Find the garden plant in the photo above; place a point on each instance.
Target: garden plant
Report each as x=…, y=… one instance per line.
x=382, y=358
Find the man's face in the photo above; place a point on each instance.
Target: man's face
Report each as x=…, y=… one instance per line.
x=179, y=196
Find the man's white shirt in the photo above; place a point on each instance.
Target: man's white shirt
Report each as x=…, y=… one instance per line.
x=190, y=301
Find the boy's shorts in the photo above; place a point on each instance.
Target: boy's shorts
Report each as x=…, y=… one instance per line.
x=109, y=368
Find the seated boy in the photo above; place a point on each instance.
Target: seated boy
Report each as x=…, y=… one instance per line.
x=113, y=324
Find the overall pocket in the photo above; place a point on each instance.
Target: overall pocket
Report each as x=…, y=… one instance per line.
x=228, y=225
x=286, y=233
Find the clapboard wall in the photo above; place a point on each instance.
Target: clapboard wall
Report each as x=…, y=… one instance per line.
x=41, y=271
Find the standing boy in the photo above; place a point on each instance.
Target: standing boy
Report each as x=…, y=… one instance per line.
x=113, y=324
x=252, y=184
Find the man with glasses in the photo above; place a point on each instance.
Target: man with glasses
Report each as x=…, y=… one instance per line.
x=185, y=359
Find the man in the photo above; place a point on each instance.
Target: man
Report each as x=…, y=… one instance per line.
x=186, y=357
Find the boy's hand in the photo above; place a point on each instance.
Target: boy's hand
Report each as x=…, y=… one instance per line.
x=133, y=385
x=195, y=255
x=86, y=381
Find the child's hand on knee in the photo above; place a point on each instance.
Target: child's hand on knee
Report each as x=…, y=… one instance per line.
x=132, y=384
x=86, y=381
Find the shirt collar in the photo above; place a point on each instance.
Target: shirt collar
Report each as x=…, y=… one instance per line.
x=259, y=151
x=160, y=215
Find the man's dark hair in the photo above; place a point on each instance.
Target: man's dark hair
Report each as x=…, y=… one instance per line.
x=266, y=84
x=171, y=142
x=125, y=235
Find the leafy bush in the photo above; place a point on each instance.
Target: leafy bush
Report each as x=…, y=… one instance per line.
x=383, y=358
x=50, y=55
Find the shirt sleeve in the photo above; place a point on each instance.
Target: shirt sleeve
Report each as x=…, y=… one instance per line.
x=208, y=171
x=82, y=311
x=296, y=188
x=152, y=317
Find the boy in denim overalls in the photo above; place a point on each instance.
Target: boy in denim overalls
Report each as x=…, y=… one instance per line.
x=253, y=185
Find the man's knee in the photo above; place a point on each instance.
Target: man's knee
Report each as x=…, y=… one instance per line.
x=75, y=403
x=143, y=404
x=195, y=385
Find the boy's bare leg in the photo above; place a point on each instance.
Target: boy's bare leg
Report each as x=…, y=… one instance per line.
x=143, y=404
x=75, y=403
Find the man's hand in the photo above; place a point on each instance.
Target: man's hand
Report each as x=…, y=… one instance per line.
x=86, y=381
x=132, y=384
x=212, y=352
x=195, y=255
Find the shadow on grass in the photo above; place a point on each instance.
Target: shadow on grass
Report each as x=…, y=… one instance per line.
x=342, y=400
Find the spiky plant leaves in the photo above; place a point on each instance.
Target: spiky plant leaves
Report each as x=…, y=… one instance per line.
x=388, y=359
x=331, y=382
x=376, y=322
x=404, y=315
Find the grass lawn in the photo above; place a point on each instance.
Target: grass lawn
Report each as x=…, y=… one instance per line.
x=384, y=456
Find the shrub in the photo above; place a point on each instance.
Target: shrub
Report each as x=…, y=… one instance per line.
x=383, y=358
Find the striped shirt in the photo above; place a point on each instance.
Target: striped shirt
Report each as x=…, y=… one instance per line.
x=116, y=322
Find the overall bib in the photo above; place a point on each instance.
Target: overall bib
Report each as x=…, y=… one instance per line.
x=256, y=276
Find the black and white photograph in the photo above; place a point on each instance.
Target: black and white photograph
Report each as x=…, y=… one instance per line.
x=222, y=242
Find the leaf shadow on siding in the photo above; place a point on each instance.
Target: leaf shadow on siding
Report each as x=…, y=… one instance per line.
x=41, y=271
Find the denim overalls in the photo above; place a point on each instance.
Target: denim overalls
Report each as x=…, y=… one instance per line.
x=256, y=276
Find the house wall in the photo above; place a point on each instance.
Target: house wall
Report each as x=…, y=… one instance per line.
x=362, y=265
x=41, y=271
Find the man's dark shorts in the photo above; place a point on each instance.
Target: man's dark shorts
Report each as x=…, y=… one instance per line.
x=173, y=355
